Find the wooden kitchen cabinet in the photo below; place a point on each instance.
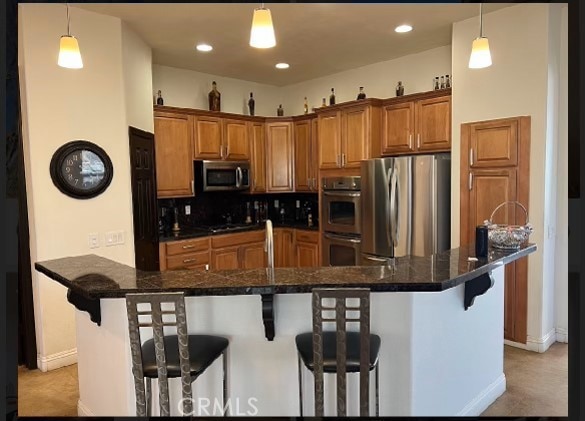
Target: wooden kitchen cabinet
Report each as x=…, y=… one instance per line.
x=220, y=138
x=495, y=167
x=348, y=135
x=174, y=166
x=243, y=250
x=225, y=258
x=253, y=256
x=257, y=157
x=306, y=244
x=284, y=247
x=422, y=124
x=306, y=165
x=279, y=157
x=184, y=254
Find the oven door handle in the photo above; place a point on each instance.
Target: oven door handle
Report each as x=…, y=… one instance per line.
x=330, y=236
x=341, y=193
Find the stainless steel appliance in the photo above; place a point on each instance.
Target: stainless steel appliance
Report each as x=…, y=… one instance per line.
x=341, y=205
x=405, y=206
x=341, y=220
x=221, y=175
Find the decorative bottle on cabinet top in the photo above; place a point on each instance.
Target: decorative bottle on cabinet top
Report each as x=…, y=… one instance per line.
x=251, y=104
x=442, y=82
x=332, y=97
x=362, y=94
x=214, y=98
x=447, y=82
x=436, y=86
x=399, y=89
x=280, y=111
x=306, y=106
x=159, y=99
x=323, y=104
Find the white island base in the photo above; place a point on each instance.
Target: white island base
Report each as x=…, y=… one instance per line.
x=436, y=359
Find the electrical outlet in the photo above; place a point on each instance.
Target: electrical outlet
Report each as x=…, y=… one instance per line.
x=187, y=209
x=110, y=238
x=94, y=240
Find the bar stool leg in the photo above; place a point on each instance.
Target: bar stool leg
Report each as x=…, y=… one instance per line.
x=148, y=396
x=225, y=382
x=300, y=384
x=377, y=389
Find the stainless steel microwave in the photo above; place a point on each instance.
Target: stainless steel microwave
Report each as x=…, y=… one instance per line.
x=213, y=176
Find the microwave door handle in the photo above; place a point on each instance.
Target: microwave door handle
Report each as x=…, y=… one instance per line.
x=239, y=177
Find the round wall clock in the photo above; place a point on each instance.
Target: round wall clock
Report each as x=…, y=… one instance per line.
x=81, y=169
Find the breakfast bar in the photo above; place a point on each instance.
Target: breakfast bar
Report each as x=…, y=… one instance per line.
x=440, y=319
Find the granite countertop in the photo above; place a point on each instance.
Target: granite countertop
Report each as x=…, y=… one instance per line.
x=191, y=232
x=93, y=277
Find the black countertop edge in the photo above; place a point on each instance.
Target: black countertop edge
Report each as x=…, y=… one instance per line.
x=102, y=285
x=189, y=233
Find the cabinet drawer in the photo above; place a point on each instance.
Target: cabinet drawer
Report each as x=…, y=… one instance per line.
x=187, y=246
x=307, y=236
x=188, y=260
x=236, y=239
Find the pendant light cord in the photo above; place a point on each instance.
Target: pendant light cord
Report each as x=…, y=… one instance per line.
x=68, y=32
x=480, y=20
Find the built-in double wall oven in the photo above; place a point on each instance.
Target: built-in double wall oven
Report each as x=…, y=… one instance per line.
x=341, y=221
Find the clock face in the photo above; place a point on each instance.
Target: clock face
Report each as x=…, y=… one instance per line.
x=81, y=169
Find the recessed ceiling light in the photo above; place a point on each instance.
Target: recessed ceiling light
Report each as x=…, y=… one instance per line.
x=282, y=66
x=204, y=47
x=403, y=28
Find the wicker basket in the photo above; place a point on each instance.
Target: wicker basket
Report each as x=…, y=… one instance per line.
x=508, y=237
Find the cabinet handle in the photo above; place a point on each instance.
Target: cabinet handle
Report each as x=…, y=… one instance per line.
x=471, y=157
x=193, y=187
x=410, y=141
x=343, y=160
x=470, y=180
x=190, y=246
x=418, y=140
x=189, y=260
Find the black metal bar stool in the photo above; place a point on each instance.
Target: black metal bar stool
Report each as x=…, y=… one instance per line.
x=172, y=356
x=340, y=351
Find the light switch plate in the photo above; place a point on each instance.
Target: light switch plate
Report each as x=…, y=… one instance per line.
x=110, y=238
x=187, y=209
x=94, y=240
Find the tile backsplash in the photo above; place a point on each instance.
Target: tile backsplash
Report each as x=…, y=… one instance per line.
x=222, y=207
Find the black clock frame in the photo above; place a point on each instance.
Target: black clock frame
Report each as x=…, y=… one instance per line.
x=60, y=181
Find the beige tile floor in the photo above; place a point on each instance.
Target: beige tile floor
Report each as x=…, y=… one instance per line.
x=536, y=386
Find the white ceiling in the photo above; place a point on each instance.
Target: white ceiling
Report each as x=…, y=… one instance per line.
x=316, y=39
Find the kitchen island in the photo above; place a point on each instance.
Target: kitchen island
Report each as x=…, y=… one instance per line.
x=440, y=319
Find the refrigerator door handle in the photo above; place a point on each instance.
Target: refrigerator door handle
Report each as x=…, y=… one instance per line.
x=389, y=204
x=396, y=190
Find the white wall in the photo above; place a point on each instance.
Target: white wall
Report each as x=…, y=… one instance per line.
x=189, y=89
x=60, y=105
x=520, y=81
x=416, y=71
x=562, y=232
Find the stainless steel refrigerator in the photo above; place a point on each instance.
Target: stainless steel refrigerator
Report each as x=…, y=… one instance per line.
x=405, y=206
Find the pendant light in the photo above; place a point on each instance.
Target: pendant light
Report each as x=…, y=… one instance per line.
x=480, y=50
x=262, y=33
x=69, y=55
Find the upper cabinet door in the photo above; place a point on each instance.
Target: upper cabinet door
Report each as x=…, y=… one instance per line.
x=314, y=154
x=329, y=140
x=356, y=136
x=279, y=157
x=174, y=167
x=258, y=158
x=303, y=155
x=235, y=140
x=398, y=128
x=433, y=124
x=207, y=138
x=494, y=144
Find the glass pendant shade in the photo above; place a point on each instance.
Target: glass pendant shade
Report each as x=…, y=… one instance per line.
x=69, y=55
x=262, y=33
x=480, y=54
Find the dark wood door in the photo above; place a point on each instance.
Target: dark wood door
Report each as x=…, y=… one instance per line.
x=144, y=209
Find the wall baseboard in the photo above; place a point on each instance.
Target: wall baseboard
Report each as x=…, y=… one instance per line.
x=58, y=360
x=515, y=344
x=541, y=344
x=482, y=401
x=83, y=411
x=562, y=335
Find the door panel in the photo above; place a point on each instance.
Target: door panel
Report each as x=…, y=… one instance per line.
x=329, y=144
x=235, y=136
x=225, y=258
x=494, y=144
x=433, y=122
x=303, y=155
x=174, y=170
x=207, y=137
x=258, y=160
x=398, y=129
x=314, y=154
x=253, y=256
x=355, y=138
x=306, y=254
x=279, y=157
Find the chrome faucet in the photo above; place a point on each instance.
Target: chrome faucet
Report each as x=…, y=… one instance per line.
x=269, y=248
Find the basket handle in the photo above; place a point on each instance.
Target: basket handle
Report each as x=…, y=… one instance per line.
x=508, y=202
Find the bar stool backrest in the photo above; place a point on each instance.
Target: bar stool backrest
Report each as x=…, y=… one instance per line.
x=156, y=322
x=341, y=318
